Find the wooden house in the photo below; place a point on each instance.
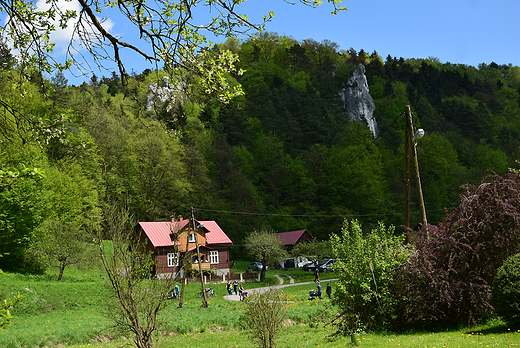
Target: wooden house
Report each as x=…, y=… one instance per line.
x=169, y=240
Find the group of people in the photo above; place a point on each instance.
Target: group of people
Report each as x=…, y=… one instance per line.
x=318, y=292
x=232, y=287
x=236, y=288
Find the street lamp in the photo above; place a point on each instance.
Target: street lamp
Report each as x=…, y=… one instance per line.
x=418, y=135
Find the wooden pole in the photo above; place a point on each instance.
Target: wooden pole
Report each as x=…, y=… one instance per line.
x=185, y=268
x=408, y=117
x=205, y=301
x=418, y=177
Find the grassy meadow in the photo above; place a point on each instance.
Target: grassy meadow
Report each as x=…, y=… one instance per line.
x=71, y=313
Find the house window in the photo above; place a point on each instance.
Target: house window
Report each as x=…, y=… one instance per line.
x=173, y=259
x=192, y=237
x=213, y=257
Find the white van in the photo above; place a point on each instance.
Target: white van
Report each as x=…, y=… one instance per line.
x=294, y=262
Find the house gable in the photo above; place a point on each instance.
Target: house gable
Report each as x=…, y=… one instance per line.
x=290, y=239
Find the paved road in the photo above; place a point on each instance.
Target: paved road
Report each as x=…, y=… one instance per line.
x=234, y=297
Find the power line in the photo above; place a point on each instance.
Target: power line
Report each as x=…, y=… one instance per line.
x=303, y=215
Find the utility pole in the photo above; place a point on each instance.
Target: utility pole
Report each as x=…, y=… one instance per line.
x=407, y=132
x=205, y=301
x=184, y=266
x=410, y=142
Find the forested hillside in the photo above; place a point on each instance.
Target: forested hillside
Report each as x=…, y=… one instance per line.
x=283, y=154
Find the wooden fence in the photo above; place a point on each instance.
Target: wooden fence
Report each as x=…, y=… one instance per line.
x=230, y=276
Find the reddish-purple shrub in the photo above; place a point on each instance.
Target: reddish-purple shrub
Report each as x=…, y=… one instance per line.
x=450, y=274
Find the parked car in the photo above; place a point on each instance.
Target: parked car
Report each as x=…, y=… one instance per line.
x=257, y=266
x=309, y=266
x=326, y=266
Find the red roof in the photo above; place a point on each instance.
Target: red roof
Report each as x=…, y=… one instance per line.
x=159, y=232
x=215, y=235
x=293, y=237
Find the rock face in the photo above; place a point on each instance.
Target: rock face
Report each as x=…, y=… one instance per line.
x=160, y=94
x=357, y=101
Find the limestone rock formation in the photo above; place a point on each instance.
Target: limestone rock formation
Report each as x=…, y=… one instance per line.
x=160, y=94
x=358, y=103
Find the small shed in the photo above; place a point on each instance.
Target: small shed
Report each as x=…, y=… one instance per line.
x=289, y=240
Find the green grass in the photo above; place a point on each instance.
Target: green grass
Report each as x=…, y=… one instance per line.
x=69, y=314
x=317, y=335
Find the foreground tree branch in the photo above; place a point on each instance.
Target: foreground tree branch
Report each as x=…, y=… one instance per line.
x=169, y=32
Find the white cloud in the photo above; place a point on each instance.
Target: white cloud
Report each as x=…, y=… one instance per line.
x=61, y=37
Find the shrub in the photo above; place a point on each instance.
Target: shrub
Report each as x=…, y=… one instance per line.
x=450, y=274
x=365, y=265
x=506, y=290
x=264, y=315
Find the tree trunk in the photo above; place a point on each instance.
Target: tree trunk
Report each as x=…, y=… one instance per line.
x=354, y=340
x=62, y=267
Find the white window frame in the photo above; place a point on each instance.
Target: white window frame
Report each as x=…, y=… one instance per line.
x=173, y=259
x=192, y=238
x=213, y=257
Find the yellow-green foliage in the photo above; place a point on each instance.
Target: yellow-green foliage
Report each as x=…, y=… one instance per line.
x=365, y=264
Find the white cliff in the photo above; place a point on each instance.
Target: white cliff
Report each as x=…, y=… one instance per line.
x=358, y=103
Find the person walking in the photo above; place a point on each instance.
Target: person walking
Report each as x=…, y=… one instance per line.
x=316, y=275
x=328, y=290
x=319, y=290
x=228, y=287
x=235, y=286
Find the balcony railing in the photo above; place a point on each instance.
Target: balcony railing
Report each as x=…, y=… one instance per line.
x=204, y=265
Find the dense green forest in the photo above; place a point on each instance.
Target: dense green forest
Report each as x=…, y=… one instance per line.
x=282, y=155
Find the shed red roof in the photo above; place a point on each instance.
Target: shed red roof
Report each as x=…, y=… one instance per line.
x=293, y=237
x=159, y=232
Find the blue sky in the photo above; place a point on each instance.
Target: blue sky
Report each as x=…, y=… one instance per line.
x=458, y=31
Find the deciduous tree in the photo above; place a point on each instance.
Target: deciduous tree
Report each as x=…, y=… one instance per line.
x=136, y=298
x=62, y=243
x=70, y=200
x=266, y=247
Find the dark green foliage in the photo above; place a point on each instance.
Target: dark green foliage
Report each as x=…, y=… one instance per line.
x=506, y=290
